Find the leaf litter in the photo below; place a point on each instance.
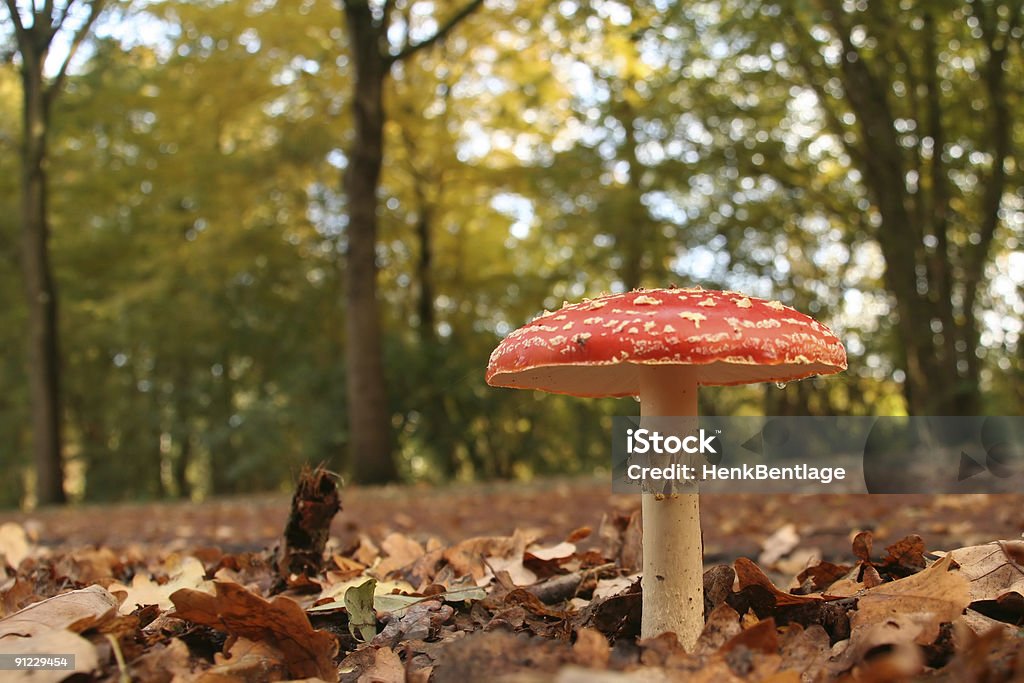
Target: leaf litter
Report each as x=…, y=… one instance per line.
x=528, y=606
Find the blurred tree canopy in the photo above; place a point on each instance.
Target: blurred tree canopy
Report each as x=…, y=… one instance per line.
x=860, y=161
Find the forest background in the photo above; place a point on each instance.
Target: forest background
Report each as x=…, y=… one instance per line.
x=216, y=286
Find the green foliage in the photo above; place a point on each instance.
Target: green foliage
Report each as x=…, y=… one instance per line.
x=543, y=152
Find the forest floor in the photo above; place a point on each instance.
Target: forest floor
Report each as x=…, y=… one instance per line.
x=960, y=623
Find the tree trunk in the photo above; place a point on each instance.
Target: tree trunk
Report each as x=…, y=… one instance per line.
x=368, y=410
x=41, y=295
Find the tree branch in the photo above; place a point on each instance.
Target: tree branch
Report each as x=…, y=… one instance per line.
x=95, y=9
x=19, y=27
x=443, y=31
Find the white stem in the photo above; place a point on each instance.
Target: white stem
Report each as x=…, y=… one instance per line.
x=673, y=579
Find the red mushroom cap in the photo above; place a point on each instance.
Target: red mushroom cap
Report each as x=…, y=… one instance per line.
x=594, y=348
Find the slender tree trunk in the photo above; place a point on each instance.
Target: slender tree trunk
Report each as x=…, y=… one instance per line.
x=41, y=294
x=368, y=411
x=369, y=415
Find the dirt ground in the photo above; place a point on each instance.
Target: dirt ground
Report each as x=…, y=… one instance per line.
x=734, y=525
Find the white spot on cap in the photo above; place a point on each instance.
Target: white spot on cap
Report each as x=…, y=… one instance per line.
x=708, y=302
x=644, y=300
x=777, y=305
x=694, y=318
x=743, y=303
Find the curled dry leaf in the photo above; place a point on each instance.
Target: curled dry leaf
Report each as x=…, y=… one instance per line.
x=53, y=625
x=247, y=660
x=75, y=611
x=926, y=599
x=558, y=551
x=749, y=574
x=280, y=622
x=903, y=614
x=993, y=569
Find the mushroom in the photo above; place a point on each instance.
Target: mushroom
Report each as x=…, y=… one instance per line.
x=660, y=345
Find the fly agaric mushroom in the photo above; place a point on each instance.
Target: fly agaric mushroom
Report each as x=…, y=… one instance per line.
x=660, y=345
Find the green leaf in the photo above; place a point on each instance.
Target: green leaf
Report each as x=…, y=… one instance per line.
x=362, y=620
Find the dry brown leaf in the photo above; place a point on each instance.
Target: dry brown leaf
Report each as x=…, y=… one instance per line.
x=591, y=648
x=75, y=611
x=558, y=551
x=400, y=551
x=476, y=556
x=186, y=573
x=919, y=603
x=50, y=641
x=246, y=660
x=862, y=543
x=993, y=569
x=823, y=574
x=14, y=545
x=89, y=565
x=163, y=664
x=52, y=626
x=901, y=615
x=907, y=552
x=782, y=542
x=387, y=667
x=280, y=622
x=749, y=574
x=16, y=593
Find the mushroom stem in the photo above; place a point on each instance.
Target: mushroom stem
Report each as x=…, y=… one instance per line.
x=673, y=571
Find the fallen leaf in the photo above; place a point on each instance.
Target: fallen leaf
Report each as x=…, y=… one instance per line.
x=163, y=664
x=749, y=574
x=862, y=546
x=606, y=588
x=779, y=544
x=247, y=660
x=76, y=611
x=907, y=553
x=14, y=545
x=186, y=573
x=927, y=599
x=420, y=622
x=993, y=569
x=88, y=566
x=386, y=668
x=362, y=620
x=823, y=574
x=53, y=625
x=281, y=622
x=399, y=551
x=477, y=556
x=552, y=552
x=591, y=648
x=901, y=615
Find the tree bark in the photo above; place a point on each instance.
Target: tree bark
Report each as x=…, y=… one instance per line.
x=33, y=43
x=369, y=416
x=925, y=270
x=368, y=412
x=40, y=293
